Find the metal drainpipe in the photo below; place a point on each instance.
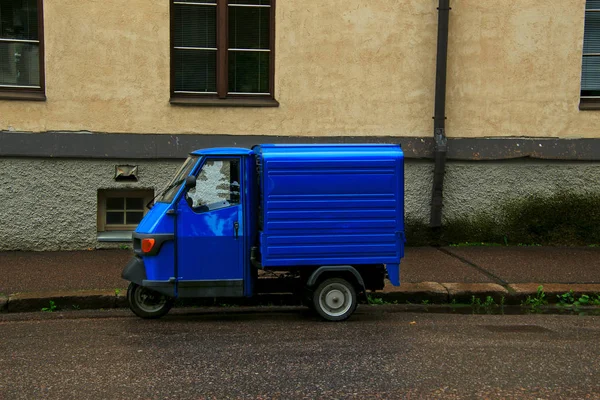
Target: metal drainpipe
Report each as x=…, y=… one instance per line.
x=439, y=119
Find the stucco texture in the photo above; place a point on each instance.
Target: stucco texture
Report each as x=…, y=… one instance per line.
x=514, y=69
x=50, y=204
x=342, y=67
x=479, y=188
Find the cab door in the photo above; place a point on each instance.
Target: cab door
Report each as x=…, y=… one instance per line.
x=210, y=236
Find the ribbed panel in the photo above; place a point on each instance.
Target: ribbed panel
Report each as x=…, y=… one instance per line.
x=332, y=211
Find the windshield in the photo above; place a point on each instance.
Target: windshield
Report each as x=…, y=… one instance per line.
x=172, y=188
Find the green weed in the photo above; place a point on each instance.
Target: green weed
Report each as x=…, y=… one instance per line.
x=50, y=308
x=489, y=301
x=564, y=218
x=537, y=301
x=570, y=300
x=476, y=244
x=375, y=301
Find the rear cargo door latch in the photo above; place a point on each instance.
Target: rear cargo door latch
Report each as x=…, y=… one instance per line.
x=236, y=227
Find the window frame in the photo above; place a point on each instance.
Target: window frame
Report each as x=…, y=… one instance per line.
x=145, y=194
x=222, y=97
x=29, y=93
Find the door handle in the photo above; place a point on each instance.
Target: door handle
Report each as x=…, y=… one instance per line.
x=236, y=227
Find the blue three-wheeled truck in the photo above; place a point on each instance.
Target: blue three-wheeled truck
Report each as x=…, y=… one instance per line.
x=326, y=220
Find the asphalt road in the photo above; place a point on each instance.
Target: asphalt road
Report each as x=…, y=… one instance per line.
x=287, y=354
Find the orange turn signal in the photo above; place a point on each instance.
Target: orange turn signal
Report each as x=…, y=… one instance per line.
x=147, y=245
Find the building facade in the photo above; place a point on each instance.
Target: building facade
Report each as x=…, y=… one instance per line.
x=100, y=102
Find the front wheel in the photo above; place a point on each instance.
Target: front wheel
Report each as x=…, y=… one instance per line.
x=335, y=299
x=146, y=303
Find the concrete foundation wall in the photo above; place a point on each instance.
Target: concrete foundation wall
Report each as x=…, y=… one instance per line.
x=51, y=204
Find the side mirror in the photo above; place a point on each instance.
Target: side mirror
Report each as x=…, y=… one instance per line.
x=190, y=182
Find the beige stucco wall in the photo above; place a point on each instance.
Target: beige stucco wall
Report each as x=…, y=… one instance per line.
x=514, y=69
x=343, y=67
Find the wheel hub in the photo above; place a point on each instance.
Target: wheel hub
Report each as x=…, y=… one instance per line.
x=335, y=299
x=149, y=301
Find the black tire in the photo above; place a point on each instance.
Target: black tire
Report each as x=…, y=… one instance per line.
x=146, y=303
x=335, y=299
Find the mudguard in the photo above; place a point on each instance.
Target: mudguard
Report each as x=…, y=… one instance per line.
x=134, y=271
x=337, y=268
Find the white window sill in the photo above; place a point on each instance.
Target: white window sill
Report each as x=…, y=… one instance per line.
x=114, y=236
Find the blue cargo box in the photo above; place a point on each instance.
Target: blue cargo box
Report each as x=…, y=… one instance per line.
x=331, y=205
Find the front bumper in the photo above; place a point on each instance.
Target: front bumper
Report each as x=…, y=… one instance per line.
x=135, y=271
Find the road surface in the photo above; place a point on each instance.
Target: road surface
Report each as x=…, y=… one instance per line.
x=287, y=354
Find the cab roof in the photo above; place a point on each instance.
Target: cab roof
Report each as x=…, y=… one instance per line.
x=222, y=151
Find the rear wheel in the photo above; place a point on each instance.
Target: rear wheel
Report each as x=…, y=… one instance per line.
x=146, y=303
x=335, y=299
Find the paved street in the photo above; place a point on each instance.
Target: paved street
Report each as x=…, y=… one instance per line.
x=287, y=353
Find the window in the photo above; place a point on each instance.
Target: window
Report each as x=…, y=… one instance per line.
x=21, y=50
x=590, y=71
x=168, y=194
x=122, y=210
x=217, y=186
x=222, y=52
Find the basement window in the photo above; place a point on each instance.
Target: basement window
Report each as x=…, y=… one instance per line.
x=120, y=212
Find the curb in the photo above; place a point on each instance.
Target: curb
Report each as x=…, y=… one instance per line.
x=520, y=291
x=85, y=299
x=416, y=293
x=3, y=303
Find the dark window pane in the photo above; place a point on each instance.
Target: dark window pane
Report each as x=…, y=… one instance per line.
x=253, y=2
x=18, y=19
x=19, y=64
x=134, y=217
x=115, y=203
x=195, y=70
x=592, y=5
x=590, y=76
x=115, y=218
x=249, y=27
x=591, y=36
x=134, y=203
x=249, y=71
x=195, y=26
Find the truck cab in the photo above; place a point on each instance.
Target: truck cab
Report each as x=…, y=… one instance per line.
x=327, y=220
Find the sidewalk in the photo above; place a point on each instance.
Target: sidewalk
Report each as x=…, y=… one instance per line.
x=92, y=279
